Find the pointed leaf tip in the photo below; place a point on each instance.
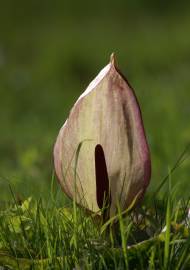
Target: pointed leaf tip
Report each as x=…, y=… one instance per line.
x=112, y=59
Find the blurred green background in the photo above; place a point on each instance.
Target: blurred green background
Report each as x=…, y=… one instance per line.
x=51, y=50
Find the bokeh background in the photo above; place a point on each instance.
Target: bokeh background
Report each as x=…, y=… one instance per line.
x=51, y=50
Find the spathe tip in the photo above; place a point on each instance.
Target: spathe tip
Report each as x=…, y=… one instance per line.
x=113, y=59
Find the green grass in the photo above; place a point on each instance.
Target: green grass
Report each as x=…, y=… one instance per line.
x=35, y=234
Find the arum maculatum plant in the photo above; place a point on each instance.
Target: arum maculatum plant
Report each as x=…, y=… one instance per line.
x=101, y=154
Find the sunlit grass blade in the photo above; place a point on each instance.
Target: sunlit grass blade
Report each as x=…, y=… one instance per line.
x=116, y=217
x=168, y=226
x=123, y=236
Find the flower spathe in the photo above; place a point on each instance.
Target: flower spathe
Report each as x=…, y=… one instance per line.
x=114, y=158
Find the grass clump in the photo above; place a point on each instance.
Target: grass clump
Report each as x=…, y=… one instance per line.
x=37, y=235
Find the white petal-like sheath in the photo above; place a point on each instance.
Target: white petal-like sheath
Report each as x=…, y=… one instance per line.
x=108, y=114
